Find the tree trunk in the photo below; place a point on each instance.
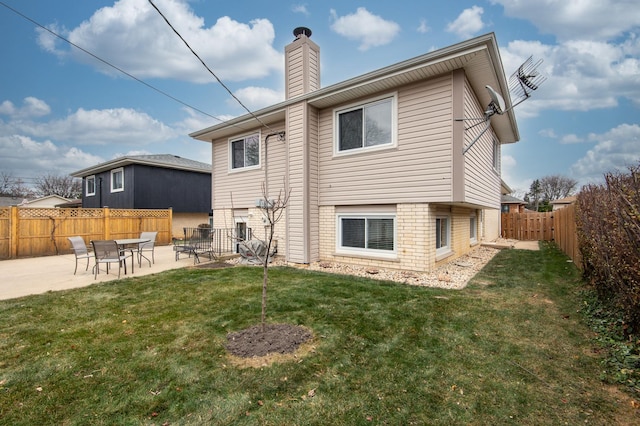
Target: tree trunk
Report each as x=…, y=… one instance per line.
x=265, y=279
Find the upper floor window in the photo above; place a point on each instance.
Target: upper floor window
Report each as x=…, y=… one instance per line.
x=366, y=126
x=117, y=180
x=245, y=152
x=90, y=188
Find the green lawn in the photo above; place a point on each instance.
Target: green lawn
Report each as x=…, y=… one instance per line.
x=511, y=348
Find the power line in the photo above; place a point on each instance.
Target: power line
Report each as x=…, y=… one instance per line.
x=109, y=64
x=207, y=68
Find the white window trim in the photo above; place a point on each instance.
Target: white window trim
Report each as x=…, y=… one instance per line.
x=495, y=155
x=473, y=239
x=229, y=148
x=444, y=250
x=87, y=179
x=114, y=171
x=394, y=125
x=364, y=252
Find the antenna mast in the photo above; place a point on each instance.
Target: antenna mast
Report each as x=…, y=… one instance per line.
x=525, y=80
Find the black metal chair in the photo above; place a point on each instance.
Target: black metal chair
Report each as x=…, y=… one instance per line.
x=107, y=251
x=80, y=250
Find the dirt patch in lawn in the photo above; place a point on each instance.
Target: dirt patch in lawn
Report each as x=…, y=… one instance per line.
x=213, y=265
x=253, y=347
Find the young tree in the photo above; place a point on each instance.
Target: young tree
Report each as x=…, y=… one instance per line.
x=64, y=186
x=272, y=212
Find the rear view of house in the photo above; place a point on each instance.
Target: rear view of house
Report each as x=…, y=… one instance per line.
x=379, y=170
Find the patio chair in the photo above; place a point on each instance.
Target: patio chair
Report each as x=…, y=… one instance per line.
x=107, y=251
x=148, y=247
x=80, y=250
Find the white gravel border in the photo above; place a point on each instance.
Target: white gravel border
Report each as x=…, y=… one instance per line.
x=453, y=275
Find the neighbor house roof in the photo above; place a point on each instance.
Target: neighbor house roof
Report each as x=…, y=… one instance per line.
x=479, y=57
x=568, y=200
x=47, y=201
x=168, y=161
x=11, y=201
x=508, y=199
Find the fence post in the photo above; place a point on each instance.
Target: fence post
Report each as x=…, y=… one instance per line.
x=14, y=217
x=107, y=225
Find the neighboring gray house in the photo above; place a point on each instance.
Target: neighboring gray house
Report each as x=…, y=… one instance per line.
x=151, y=182
x=375, y=165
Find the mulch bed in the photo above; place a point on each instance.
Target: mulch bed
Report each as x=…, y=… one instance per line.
x=276, y=339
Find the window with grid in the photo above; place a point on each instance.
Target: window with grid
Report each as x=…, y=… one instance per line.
x=245, y=152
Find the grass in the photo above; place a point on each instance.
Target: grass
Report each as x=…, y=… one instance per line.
x=509, y=349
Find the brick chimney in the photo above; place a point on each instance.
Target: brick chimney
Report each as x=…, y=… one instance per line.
x=302, y=64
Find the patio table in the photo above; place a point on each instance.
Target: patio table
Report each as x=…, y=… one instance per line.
x=126, y=244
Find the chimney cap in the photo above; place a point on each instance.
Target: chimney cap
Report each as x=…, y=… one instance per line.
x=302, y=31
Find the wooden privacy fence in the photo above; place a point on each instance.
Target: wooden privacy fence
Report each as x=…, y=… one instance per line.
x=528, y=226
x=27, y=232
x=558, y=226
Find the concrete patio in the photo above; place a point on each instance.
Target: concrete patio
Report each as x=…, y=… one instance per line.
x=22, y=277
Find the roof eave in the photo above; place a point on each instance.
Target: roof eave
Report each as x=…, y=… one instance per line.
x=126, y=161
x=434, y=63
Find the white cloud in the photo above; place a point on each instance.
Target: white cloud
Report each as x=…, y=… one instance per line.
x=133, y=36
x=196, y=121
x=257, y=97
x=571, y=139
x=509, y=166
x=95, y=127
x=423, y=27
x=581, y=75
x=577, y=19
x=32, y=107
x=615, y=150
x=363, y=26
x=468, y=23
x=25, y=156
x=300, y=8
x=548, y=133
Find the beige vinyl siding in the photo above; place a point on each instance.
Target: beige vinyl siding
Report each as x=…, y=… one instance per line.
x=314, y=70
x=482, y=181
x=295, y=59
x=241, y=188
x=313, y=179
x=296, y=223
x=418, y=169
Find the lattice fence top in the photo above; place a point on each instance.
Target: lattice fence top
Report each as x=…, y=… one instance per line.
x=5, y=212
x=41, y=212
x=35, y=212
x=139, y=213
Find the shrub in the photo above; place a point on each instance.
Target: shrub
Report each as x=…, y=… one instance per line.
x=608, y=225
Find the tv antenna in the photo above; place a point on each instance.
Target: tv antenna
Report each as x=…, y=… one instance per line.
x=525, y=80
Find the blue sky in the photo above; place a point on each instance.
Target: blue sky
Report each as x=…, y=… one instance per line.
x=61, y=110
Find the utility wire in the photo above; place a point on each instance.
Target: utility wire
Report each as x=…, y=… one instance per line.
x=205, y=65
x=109, y=64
